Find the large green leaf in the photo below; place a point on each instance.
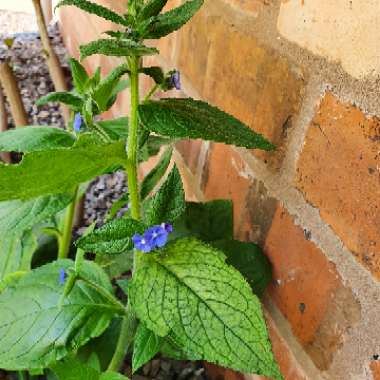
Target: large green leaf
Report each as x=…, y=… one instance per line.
x=95, y=9
x=17, y=216
x=206, y=221
x=80, y=76
x=116, y=48
x=146, y=345
x=67, y=98
x=154, y=176
x=35, y=330
x=173, y=20
x=34, y=138
x=169, y=201
x=250, y=261
x=59, y=170
x=104, y=90
x=187, y=291
x=112, y=238
x=16, y=252
x=189, y=118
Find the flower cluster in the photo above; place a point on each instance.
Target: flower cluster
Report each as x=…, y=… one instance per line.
x=154, y=237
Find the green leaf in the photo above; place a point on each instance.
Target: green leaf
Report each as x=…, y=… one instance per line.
x=80, y=76
x=187, y=291
x=145, y=346
x=168, y=203
x=151, y=8
x=36, y=331
x=115, y=48
x=74, y=369
x=16, y=252
x=188, y=118
x=62, y=97
x=18, y=216
x=154, y=176
x=250, y=261
x=33, y=139
x=112, y=238
x=206, y=221
x=152, y=146
x=173, y=20
x=155, y=72
x=104, y=91
x=117, y=206
x=112, y=376
x=117, y=265
x=95, y=9
x=58, y=170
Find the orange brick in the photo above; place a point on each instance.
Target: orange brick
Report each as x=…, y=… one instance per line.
x=251, y=6
x=253, y=83
x=375, y=369
x=308, y=291
x=339, y=172
x=190, y=150
x=219, y=373
x=224, y=181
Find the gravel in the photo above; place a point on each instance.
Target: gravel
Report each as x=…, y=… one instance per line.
x=33, y=78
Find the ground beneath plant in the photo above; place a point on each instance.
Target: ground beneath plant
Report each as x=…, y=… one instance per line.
x=34, y=82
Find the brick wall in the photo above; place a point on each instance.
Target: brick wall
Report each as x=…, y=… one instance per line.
x=305, y=73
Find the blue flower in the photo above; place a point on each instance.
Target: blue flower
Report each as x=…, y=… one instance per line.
x=175, y=79
x=141, y=243
x=154, y=237
x=78, y=121
x=62, y=276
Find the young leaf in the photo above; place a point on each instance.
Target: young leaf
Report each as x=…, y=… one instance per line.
x=58, y=170
x=188, y=118
x=16, y=252
x=80, y=76
x=173, y=20
x=112, y=238
x=116, y=265
x=154, y=176
x=117, y=206
x=73, y=369
x=18, y=216
x=155, y=72
x=250, y=261
x=145, y=346
x=168, y=203
x=104, y=90
x=34, y=139
x=115, y=48
x=35, y=331
x=95, y=9
x=151, y=8
x=75, y=102
x=206, y=221
x=187, y=291
x=152, y=146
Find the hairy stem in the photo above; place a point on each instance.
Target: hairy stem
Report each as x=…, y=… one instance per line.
x=68, y=222
x=129, y=322
x=151, y=93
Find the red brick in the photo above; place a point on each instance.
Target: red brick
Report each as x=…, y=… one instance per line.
x=255, y=85
x=309, y=291
x=219, y=373
x=375, y=369
x=339, y=172
x=224, y=181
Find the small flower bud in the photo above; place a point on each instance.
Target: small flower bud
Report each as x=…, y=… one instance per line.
x=78, y=121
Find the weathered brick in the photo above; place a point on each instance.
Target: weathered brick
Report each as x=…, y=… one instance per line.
x=309, y=291
x=190, y=151
x=254, y=84
x=339, y=172
x=342, y=31
x=219, y=373
x=375, y=369
x=251, y=6
x=224, y=179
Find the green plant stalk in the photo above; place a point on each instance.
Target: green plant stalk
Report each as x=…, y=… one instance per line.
x=129, y=323
x=68, y=222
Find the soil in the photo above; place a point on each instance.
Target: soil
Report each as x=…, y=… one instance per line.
x=34, y=81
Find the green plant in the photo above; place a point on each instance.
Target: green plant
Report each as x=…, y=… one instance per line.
x=186, y=297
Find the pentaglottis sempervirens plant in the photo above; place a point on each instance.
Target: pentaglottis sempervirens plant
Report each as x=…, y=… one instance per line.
x=193, y=290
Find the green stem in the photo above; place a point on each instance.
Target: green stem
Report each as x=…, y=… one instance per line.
x=129, y=322
x=65, y=240
x=22, y=375
x=127, y=332
x=151, y=93
x=132, y=139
